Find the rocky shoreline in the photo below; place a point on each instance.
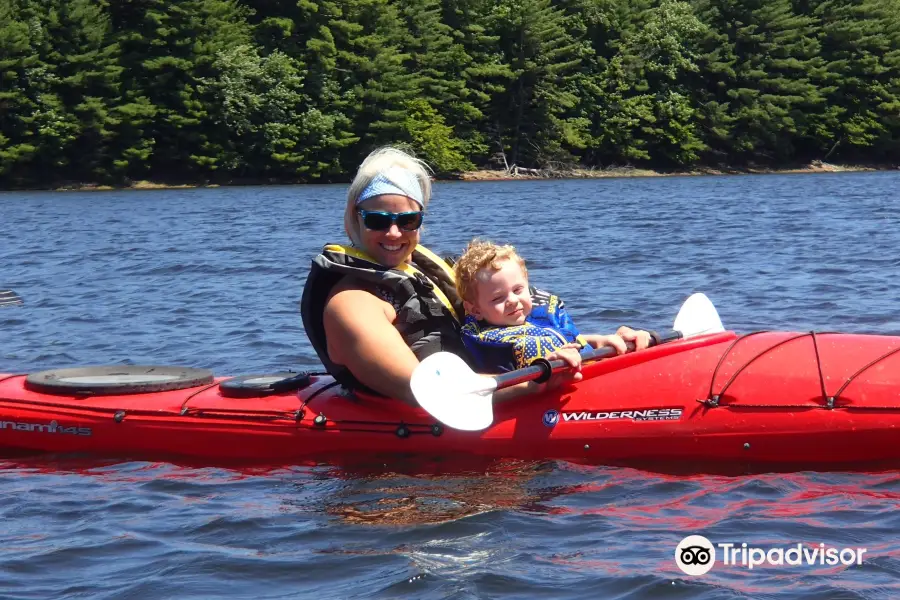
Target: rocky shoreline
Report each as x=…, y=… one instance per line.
x=515, y=174
x=816, y=166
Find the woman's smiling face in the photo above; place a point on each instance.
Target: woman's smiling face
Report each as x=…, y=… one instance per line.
x=392, y=246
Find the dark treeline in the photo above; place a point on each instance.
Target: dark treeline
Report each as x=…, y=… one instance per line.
x=300, y=90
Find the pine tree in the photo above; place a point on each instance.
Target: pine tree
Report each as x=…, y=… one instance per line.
x=84, y=59
x=305, y=32
x=644, y=104
x=757, y=61
x=354, y=69
x=486, y=73
x=438, y=60
x=17, y=58
x=274, y=131
x=372, y=50
x=169, y=49
x=433, y=140
x=861, y=79
x=531, y=115
x=48, y=126
x=604, y=25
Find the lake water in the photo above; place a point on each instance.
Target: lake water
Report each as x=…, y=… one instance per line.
x=212, y=278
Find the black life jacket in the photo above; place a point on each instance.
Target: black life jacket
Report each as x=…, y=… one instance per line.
x=424, y=293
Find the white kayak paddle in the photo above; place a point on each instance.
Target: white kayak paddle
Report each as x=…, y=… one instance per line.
x=446, y=387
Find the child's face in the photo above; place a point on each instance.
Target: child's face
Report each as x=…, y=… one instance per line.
x=501, y=297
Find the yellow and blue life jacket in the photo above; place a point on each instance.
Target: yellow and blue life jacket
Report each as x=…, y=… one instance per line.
x=496, y=349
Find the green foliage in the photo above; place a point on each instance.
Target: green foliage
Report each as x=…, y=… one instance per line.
x=529, y=117
x=102, y=91
x=759, y=57
x=269, y=119
x=311, y=36
x=861, y=78
x=642, y=102
x=433, y=140
x=170, y=49
x=17, y=96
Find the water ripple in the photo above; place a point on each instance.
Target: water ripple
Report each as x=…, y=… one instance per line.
x=212, y=278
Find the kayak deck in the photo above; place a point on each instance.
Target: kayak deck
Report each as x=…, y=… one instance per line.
x=768, y=397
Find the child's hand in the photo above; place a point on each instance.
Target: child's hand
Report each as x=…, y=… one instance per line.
x=568, y=353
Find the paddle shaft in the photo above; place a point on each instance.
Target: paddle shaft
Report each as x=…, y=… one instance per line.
x=541, y=369
x=450, y=391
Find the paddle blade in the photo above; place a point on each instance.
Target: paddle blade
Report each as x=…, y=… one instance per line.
x=9, y=298
x=697, y=316
x=451, y=392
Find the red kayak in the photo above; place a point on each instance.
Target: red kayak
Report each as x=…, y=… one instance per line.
x=769, y=398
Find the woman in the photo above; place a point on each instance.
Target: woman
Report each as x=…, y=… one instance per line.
x=372, y=311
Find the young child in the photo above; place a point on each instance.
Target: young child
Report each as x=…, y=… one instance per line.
x=509, y=324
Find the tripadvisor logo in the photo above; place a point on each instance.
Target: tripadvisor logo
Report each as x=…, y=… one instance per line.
x=696, y=555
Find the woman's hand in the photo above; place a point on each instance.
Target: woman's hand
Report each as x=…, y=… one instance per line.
x=640, y=338
x=603, y=341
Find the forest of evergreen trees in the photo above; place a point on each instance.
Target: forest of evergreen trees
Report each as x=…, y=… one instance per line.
x=112, y=91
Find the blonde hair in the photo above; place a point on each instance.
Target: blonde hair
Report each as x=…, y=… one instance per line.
x=480, y=254
x=377, y=162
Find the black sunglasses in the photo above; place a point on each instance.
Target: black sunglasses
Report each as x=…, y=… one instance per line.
x=377, y=220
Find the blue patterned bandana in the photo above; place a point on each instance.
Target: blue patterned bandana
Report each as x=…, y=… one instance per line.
x=395, y=180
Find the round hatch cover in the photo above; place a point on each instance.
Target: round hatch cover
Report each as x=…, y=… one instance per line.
x=255, y=386
x=117, y=379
